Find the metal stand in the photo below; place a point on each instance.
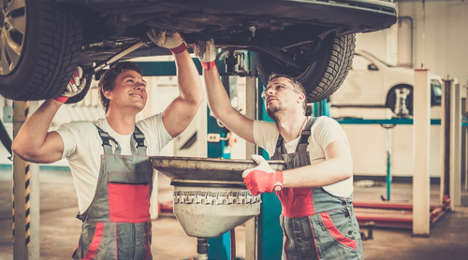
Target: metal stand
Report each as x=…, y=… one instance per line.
x=389, y=159
x=202, y=248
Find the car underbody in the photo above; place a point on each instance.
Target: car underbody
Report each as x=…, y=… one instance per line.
x=312, y=40
x=271, y=25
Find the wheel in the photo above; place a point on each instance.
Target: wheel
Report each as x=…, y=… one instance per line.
x=391, y=99
x=328, y=64
x=40, y=45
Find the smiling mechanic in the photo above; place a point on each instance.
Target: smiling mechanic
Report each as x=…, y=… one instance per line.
x=316, y=189
x=114, y=191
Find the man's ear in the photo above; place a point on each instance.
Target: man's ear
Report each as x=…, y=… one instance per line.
x=301, y=98
x=108, y=94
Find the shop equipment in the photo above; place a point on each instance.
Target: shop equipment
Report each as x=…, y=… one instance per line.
x=210, y=197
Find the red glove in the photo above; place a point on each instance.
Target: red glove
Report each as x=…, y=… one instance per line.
x=258, y=181
x=170, y=40
x=262, y=178
x=206, y=53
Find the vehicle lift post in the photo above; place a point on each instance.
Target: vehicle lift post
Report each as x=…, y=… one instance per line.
x=451, y=139
x=25, y=194
x=465, y=126
x=421, y=144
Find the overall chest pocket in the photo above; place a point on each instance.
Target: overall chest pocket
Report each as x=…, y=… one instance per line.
x=129, y=197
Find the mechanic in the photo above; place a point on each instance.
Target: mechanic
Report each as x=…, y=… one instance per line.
x=114, y=192
x=316, y=188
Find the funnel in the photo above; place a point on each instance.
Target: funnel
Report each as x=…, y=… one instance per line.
x=210, y=197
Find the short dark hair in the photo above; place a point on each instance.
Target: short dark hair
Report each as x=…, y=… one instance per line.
x=107, y=81
x=298, y=87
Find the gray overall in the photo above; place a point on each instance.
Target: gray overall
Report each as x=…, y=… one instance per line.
x=315, y=223
x=117, y=224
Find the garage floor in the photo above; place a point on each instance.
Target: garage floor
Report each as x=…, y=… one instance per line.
x=59, y=230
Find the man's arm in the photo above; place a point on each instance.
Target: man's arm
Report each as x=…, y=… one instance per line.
x=33, y=142
x=338, y=166
x=181, y=111
x=218, y=99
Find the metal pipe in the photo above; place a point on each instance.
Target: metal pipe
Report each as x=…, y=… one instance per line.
x=115, y=58
x=411, y=36
x=202, y=248
x=387, y=205
x=233, y=244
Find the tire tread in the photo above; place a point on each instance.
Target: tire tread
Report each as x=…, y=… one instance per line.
x=58, y=51
x=323, y=78
x=340, y=62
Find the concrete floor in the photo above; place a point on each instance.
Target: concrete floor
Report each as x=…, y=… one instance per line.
x=59, y=230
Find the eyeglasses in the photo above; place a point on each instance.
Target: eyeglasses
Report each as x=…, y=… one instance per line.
x=277, y=87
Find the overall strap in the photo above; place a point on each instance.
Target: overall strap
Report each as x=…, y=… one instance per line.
x=279, y=146
x=139, y=137
x=304, y=141
x=105, y=137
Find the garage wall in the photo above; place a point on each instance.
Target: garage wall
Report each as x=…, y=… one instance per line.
x=439, y=42
x=444, y=47
x=369, y=150
x=439, y=39
x=368, y=143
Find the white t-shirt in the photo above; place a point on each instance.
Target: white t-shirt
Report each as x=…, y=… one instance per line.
x=83, y=147
x=324, y=131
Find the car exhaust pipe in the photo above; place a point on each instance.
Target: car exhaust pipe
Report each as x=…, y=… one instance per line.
x=93, y=70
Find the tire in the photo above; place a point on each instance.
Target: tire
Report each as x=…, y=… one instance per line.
x=49, y=48
x=327, y=66
x=391, y=99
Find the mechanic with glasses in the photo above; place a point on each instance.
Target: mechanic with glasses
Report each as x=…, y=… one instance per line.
x=316, y=189
x=108, y=159
x=276, y=87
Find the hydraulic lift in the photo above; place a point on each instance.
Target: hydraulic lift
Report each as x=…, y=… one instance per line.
x=403, y=215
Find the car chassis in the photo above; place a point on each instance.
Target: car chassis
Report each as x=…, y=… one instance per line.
x=310, y=40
